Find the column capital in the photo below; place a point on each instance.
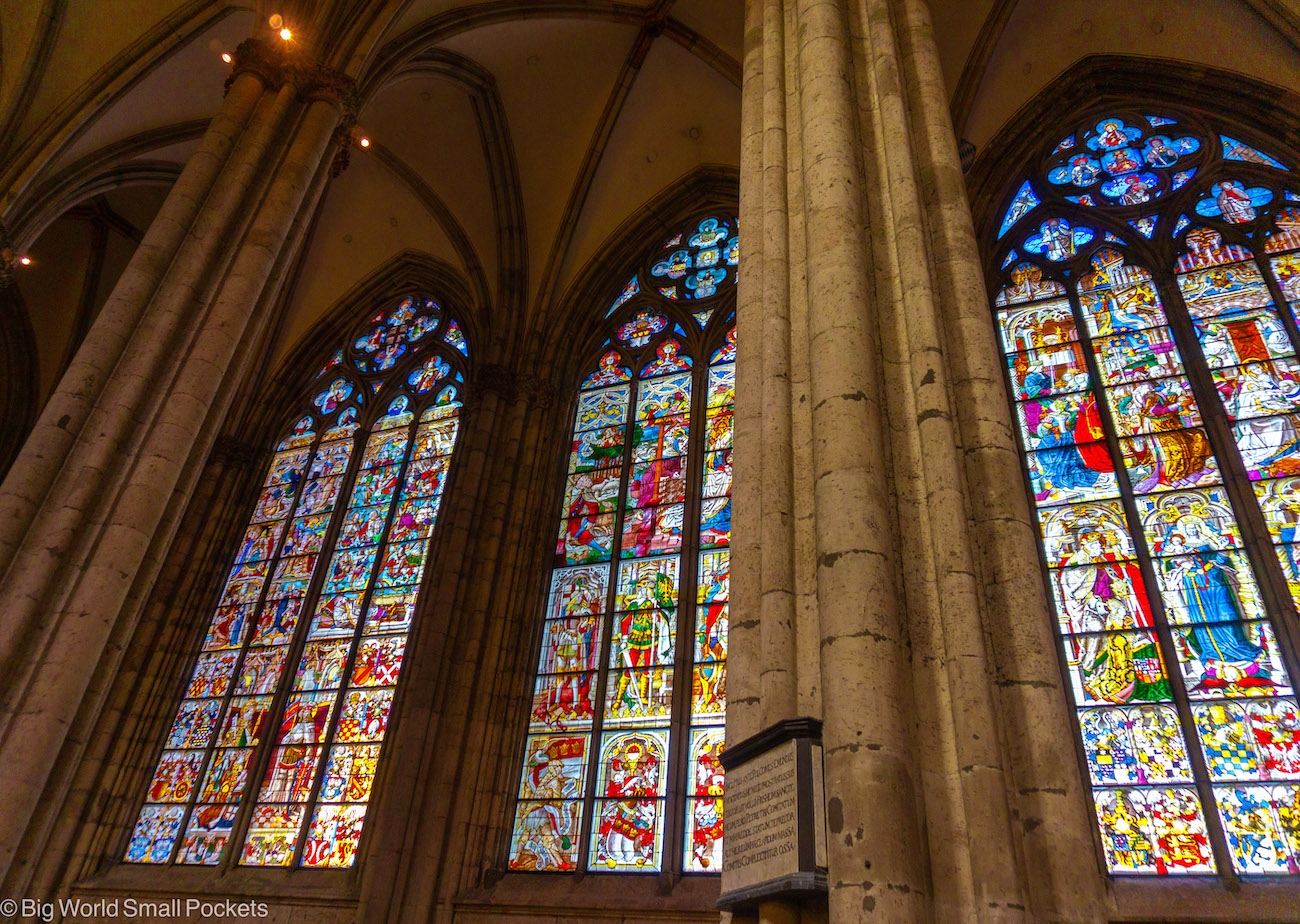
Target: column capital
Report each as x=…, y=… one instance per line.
x=7, y=257
x=540, y=392
x=277, y=64
x=498, y=380
x=227, y=451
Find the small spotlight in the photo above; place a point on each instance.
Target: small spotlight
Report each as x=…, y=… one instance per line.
x=286, y=34
x=225, y=56
x=364, y=142
x=25, y=261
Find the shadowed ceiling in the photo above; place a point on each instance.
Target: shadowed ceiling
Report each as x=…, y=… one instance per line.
x=510, y=139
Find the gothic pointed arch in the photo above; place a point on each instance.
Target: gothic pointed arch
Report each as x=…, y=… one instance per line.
x=620, y=769
x=273, y=752
x=1143, y=258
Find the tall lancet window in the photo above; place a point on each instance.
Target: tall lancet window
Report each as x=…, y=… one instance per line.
x=1147, y=307
x=620, y=763
x=274, y=749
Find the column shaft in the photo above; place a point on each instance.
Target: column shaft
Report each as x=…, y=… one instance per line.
x=744, y=643
x=156, y=408
x=1054, y=824
x=876, y=859
x=776, y=605
x=29, y=480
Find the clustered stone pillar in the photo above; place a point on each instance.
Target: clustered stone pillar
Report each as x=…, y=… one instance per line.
x=82, y=534
x=894, y=590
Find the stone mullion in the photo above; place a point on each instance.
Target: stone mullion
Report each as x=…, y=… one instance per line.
x=260, y=759
x=588, y=819
x=872, y=779
x=1155, y=600
x=272, y=561
x=677, y=773
x=349, y=662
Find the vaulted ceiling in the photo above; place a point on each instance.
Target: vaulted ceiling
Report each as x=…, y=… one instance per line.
x=554, y=119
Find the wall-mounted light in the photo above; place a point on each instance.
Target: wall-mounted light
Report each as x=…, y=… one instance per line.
x=364, y=142
x=225, y=56
x=25, y=261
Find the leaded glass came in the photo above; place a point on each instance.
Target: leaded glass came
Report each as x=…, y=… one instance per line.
x=1147, y=309
x=621, y=770
x=326, y=579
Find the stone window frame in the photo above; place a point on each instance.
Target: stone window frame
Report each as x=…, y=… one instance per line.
x=1258, y=113
x=645, y=245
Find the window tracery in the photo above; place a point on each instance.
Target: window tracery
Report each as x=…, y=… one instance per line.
x=282, y=762
x=1146, y=306
x=621, y=770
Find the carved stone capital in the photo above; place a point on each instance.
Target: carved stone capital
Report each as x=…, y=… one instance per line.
x=230, y=452
x=540, y=392
x=498, y=380
x=279, y=64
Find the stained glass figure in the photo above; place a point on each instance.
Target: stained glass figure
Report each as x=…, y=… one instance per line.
x=1158, y=408
x=1235, y=150
x=1024, y=201
x=1232, y=201
x=1057, y=239
x=635, y=622
x=321, y=751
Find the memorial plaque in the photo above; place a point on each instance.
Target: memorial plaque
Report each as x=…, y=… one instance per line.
x=775, y=842
x=762, y=839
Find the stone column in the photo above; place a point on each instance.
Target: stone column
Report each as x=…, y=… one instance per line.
x=887, y=469
x=83, y=531
x=744, y=643
x=1052, y=823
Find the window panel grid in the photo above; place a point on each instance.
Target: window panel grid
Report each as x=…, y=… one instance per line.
x=219, y=673
x=1229, y=663
x=192, y=807
x=619, y=618
x=337, y=650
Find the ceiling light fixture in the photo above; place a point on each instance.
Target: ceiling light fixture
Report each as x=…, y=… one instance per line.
x=25, y=261
x=225, y=56
x=286, y=34
x=364, y=142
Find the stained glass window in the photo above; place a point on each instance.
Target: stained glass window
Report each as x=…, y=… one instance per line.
x=620, y=764
x=280, y=729
x=1147, y=309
